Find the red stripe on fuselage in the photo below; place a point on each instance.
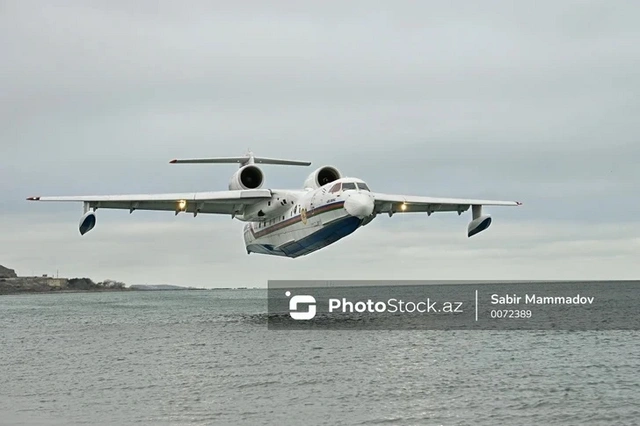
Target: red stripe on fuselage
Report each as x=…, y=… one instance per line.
x=296, y=219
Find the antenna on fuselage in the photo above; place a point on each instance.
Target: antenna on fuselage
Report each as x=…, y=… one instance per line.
x=248, y=158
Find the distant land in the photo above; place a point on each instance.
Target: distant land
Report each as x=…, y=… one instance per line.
x=11, y=283
x=160, y=287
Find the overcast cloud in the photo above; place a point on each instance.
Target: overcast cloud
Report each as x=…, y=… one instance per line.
x=531, y=101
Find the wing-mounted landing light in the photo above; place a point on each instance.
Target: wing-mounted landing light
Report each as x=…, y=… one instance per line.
x=479, y=221
x=181, y=206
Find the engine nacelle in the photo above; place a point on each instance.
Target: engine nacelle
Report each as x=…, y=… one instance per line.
x=247, y=177
x=321, y=177
x=87, y=222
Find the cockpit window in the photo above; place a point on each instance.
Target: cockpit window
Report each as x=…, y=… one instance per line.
x=363, y=186
x=335, y=188
x=348, y=185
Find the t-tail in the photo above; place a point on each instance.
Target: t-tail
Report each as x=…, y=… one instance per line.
x=247, y=159
x=249, y=176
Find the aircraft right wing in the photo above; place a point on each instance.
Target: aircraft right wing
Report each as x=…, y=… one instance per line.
x=219, y=202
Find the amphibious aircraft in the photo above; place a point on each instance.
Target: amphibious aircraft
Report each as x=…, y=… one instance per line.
x=286, y=222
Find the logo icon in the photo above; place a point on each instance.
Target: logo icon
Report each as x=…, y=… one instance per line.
x=303, y=299
x=303, y=217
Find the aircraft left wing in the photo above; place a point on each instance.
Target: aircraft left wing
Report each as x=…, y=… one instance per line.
x=385, y=203
x=220, y=202
x=389, y=203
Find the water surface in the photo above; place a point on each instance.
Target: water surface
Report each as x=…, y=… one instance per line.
x=206, y=357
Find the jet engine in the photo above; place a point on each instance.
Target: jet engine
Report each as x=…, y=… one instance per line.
x=321, y=177
x=247, y=177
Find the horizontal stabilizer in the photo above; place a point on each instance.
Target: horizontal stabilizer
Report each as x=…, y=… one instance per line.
x=243, y=161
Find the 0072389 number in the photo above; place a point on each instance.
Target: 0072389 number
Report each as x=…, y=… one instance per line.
x=510, y=313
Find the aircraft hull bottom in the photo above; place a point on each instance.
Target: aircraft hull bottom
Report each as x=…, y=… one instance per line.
x=324, y=236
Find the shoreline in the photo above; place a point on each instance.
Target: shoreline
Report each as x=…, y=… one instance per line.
x=104, y=290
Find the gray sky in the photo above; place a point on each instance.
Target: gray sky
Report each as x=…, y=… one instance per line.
x=532, y=101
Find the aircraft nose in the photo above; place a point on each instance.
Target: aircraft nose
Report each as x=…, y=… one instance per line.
x=359, y=205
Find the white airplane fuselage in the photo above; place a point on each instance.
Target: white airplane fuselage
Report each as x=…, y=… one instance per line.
x=302, y=222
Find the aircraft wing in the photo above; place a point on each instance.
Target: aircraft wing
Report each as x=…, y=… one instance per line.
x=220, y=202
x=390, y=203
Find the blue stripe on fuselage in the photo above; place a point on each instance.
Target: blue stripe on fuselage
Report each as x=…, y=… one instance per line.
x=319, y=239
x=295, y=219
